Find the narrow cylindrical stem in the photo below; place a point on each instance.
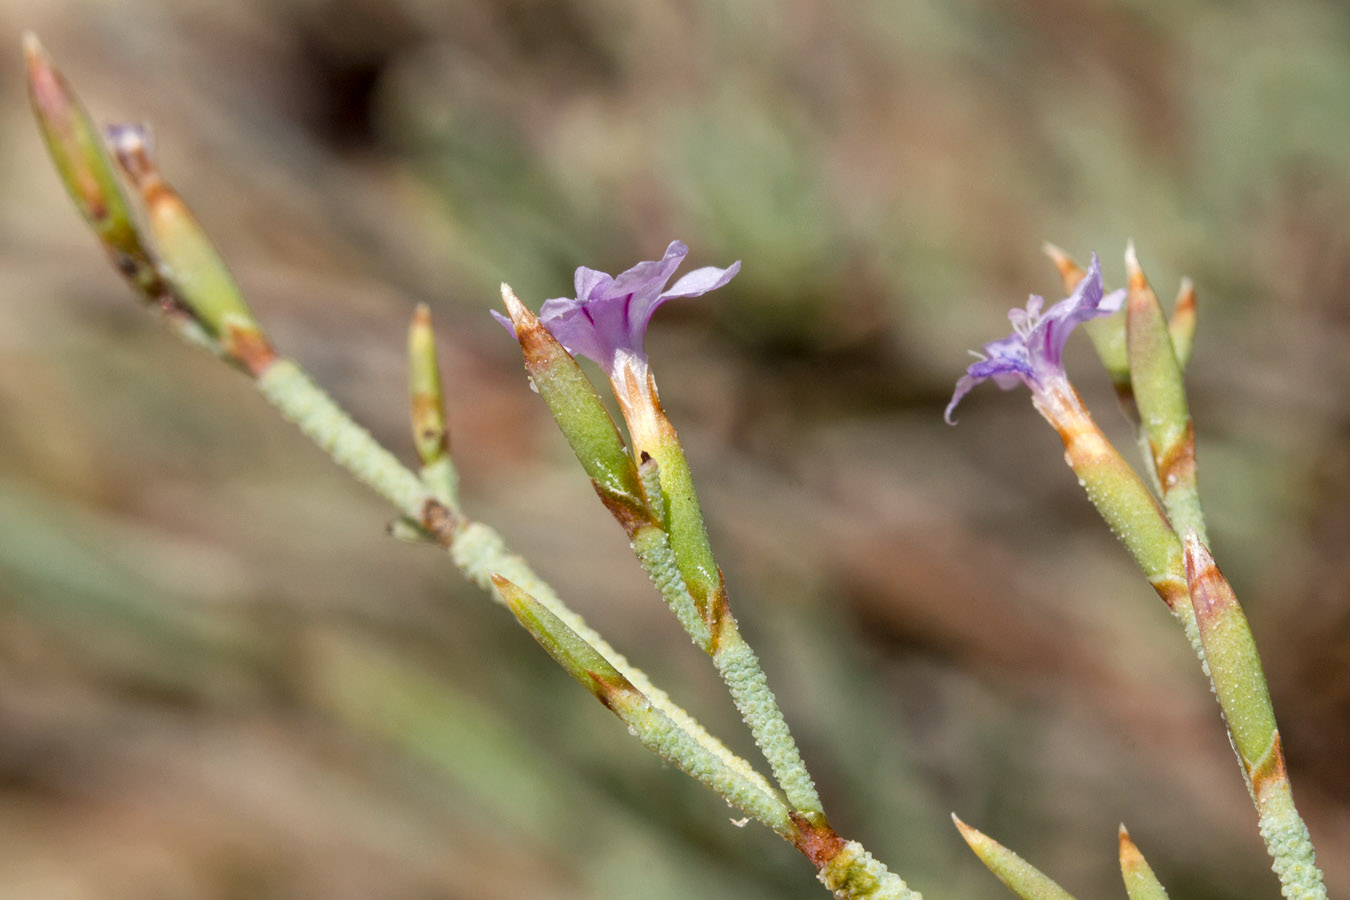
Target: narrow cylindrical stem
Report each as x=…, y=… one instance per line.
x=854, y=874
x=310, y=409
x=749, y=687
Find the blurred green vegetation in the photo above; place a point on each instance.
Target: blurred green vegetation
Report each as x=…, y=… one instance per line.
x=218, y=679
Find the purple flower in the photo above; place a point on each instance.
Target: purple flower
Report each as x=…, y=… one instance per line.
x=1033, y=353
x=607, y=320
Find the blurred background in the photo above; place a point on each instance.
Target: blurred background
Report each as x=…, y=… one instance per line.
x=220, y=679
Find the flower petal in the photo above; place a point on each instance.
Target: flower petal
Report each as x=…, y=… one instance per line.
x=504, y=321
x=964, y=384
x=1033, y=353
x=590, y=281
x=700, y=281
x=646, y=279
x=608, y=318
x=571, y=323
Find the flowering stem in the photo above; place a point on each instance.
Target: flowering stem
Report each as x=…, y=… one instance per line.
x=745, y=679
x=736, y=662
x=319, y=418
x=476, y=549
x=648, y=723
x=192, y=289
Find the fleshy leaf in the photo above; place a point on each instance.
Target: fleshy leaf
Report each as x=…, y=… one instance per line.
x=1022, y=878
x=580, y=413
x=1140, y=882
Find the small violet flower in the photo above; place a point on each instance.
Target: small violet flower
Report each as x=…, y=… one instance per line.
x=607, y=320
x=1033, y=353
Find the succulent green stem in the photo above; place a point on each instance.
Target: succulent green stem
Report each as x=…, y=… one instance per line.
x=651, y=545
x=479, y=552
x=702, y=579
x=1290, y=845
x=310, y=409
x=744, y=677
x=854, y=874
x=657, y=731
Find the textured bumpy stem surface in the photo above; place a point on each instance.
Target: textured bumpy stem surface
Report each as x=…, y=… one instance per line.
x=654, y=437
x=476, y=549
x=651, y=545
x=745, y=679
x=310, y=409
x=479, y=552
x=645, y=721
x=854, y=874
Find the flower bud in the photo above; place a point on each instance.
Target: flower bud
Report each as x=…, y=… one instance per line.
x=191, y=262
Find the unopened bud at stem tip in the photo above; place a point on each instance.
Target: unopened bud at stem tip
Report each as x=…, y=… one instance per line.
x=133, y=146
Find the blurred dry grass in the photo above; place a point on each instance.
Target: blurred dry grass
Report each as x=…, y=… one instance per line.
x=219, y=680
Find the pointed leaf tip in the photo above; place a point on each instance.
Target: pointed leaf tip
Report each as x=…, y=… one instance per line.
x=1181, y=324
x=517, y=309
x=1069, y=271
x=1128, y=850
x=1140, y=882
x=1022, y=878
x=1138, y=281
x=78, y=152
x=32, y=48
